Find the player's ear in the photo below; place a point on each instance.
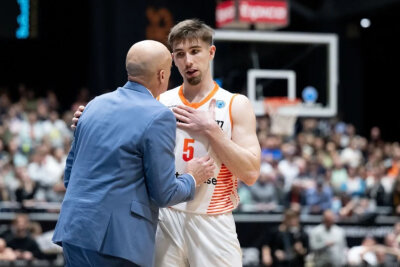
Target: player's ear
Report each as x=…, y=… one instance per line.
x=212, y=51
x=173, y=59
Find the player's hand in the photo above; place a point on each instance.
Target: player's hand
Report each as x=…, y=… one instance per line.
x=77, y=114
x=194, y=120
x=201, y=169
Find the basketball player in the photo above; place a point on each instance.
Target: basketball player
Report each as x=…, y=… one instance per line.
x=211, y=121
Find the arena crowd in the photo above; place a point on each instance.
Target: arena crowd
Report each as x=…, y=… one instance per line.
x=325, y=168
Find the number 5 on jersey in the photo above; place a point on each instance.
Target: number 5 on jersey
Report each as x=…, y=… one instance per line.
x=188, y=150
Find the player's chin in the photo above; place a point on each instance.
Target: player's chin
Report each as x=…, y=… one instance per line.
x=194, y=80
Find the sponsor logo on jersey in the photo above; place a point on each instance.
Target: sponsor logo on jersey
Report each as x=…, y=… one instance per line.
x=220, y=103
x=212, y=181
x=220, y=123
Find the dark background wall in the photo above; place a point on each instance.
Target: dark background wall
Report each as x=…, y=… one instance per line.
x=77, y=44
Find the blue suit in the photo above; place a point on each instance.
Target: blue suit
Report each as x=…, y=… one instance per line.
x=119, y=171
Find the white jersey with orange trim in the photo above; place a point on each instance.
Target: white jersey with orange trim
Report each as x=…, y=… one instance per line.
x=218, y=194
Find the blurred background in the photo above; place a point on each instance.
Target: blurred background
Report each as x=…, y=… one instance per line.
x=336, y=54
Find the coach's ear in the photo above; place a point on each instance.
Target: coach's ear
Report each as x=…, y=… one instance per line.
x=161, y=75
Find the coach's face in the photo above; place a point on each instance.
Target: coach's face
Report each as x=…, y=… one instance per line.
x=192, y=57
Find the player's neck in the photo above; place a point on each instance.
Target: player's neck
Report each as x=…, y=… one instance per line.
x=196, y=93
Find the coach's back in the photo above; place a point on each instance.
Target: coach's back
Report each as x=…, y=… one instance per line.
x=119, y=171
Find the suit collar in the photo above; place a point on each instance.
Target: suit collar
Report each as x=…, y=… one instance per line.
x=137, y=87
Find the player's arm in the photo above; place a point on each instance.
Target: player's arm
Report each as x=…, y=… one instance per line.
x=241, y=154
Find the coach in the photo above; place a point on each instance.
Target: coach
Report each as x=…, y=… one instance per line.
x=120, y=169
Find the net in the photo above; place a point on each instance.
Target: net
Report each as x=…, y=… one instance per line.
x=283, y=113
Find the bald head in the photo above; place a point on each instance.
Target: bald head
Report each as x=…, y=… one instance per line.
x=149, y=63
x=329, y=218
x=146, y=58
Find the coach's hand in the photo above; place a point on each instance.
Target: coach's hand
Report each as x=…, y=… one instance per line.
x=77, y=114
x=201, y=169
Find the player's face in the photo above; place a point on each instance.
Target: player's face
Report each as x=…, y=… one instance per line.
x=192, y=58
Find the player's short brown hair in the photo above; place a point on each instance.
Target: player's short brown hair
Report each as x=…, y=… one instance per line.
x=190, y=29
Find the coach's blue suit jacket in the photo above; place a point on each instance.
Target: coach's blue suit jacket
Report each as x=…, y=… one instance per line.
x=119, y=171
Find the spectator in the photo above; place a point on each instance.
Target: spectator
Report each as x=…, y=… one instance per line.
x=4, y=194
x=52, y=101
x=394, y=169
x=265, y=193
x=351, y=155
x=46, y=245
x=271, y=147
x=288, y=167
x=354, y=185
x=17, y=158
x=6, y=253
x=31, y=132
x=46, y=170
x=287, y=246
x=295, y=198
x=328, y=242
x=56, y=130
x=27, y=189
x=361, y=209
x=319, y=198
x=389, y=253
x=396, y=197
x=20, y=241
x=375, y=137
x=365, y=254
x=339, y=175
x=375, y=190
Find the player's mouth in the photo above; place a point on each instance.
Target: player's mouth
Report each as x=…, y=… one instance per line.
x=191, y=72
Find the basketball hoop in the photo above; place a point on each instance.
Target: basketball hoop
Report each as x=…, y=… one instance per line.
x=283, y=113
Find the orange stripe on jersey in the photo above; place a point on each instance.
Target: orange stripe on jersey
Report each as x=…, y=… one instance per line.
x=202, y=102
x=221, y=209
x=221, y=198
x=230, y=110
x=216, y=207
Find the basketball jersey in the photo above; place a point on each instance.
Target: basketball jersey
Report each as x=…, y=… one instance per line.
x=219, y=193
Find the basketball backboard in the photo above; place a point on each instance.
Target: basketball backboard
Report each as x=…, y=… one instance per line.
x=266, y=49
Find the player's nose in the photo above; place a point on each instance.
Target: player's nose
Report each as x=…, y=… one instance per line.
x=189, y=60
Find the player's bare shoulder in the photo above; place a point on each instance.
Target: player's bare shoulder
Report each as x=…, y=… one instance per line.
x=242, y=108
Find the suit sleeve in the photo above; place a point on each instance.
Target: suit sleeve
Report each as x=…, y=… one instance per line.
x=165, y=189
x=71, y=154
x=69, y=162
